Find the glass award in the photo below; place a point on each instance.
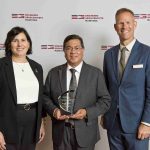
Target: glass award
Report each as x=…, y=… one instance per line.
x=66, y=102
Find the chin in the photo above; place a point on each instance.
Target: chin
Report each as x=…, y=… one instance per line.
x=73, y=63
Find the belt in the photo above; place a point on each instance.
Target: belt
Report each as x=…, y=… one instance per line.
x=27, y=107
x=67, y=124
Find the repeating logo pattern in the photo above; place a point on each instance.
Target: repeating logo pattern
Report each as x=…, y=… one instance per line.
x=87, y=18
x=106, y=47
x=2, y=47
x=53, y=47
x=142, y=16
x=27, y=16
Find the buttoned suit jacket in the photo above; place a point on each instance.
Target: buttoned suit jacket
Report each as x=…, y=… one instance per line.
x=131, y=95
x=8, y=99
x=91, y=94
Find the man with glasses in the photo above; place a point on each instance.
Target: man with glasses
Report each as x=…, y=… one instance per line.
x=78, y=131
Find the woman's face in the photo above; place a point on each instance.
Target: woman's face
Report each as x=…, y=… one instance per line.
x=20, y=45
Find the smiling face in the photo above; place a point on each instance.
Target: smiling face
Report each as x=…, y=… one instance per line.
x=125, y=27
x=73, y=52
x=20, y=46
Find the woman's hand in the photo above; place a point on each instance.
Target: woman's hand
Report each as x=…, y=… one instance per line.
x=42, y=131
x=2, y=142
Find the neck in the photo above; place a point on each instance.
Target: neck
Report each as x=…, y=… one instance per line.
x=19, y=59
x=126, y=42
x=73, y=65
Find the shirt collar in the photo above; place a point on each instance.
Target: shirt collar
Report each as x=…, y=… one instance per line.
x=77, y=68
x=129, y=46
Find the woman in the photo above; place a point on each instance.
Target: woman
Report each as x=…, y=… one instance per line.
x=21, y=87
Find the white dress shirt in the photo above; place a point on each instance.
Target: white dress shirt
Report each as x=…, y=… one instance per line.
x=77, y=73
x=128, y=52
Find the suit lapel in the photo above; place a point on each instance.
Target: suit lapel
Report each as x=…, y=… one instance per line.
x=131, y=60
x=35, y=69
x=115, y=62
x=82, y=79
x=10, y=77
x=63, y=78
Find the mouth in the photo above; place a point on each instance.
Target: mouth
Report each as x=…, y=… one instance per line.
x=124, y=31
x=73, y=56
x=20, y=49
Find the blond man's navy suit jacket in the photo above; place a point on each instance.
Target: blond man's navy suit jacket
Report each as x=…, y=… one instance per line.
x=131, y=95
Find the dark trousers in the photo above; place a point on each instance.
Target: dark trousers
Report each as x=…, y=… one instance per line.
x=26, y=121
x=118, y=140
x=69, y=141
x=20, y=147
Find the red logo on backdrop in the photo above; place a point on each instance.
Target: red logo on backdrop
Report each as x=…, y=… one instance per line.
x=27, y=16
x=53, y=47
x=87, y=18
x=2, y=47
x=142, y=17
x=106, y=47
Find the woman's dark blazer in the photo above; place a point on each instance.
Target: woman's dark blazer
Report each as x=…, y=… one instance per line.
x=8, y=99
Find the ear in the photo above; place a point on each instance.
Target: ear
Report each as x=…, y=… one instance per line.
x=28, y=45
x=115, y=27
x=135, y=24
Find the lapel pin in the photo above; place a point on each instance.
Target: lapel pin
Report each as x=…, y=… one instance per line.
x=36, y=70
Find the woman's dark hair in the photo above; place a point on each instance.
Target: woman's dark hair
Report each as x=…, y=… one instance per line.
x=11, y=35
x=73, y=37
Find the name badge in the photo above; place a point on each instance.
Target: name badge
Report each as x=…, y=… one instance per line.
x=138, y=66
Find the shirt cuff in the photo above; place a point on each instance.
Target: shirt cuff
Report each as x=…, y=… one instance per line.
x=145, y=123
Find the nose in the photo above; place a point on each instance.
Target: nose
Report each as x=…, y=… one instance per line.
x=124, y=25
x=19, y=43
x=73, y=50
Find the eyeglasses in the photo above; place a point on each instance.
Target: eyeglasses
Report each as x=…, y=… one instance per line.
x=69, y=48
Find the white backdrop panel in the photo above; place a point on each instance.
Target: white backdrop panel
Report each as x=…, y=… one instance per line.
x=50, y=21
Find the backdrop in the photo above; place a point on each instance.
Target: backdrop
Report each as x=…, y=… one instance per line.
x=50, y=21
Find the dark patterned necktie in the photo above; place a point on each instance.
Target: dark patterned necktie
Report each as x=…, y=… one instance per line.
x=72, y=89
x=73, y=83
x=122, y=63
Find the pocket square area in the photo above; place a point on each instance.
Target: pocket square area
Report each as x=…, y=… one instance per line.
x=138, y=66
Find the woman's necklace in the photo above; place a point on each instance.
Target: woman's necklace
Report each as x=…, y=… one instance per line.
x=21, y=66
